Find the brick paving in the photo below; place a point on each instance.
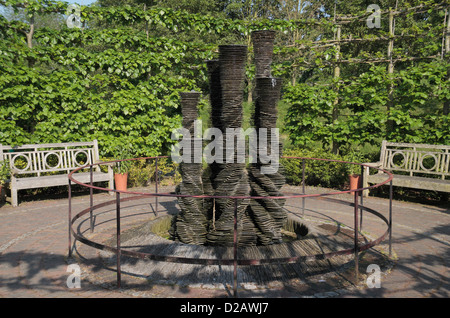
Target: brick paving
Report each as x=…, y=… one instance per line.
x=34, y=252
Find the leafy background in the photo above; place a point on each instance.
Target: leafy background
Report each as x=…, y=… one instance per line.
x=117, y=78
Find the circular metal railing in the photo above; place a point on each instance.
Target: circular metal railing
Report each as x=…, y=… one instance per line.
x=357, y=206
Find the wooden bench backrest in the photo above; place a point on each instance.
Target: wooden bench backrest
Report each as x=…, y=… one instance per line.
x=410, y=158
x=40, y=158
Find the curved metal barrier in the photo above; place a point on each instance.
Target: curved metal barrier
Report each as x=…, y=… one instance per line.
x=357, y=205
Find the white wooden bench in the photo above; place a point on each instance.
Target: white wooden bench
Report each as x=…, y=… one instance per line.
x=418, y=166
x=48, y=165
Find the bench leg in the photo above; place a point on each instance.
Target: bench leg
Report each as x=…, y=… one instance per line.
x=111, y=185
x=111, y=180
x=365, y=184
x=14, y=197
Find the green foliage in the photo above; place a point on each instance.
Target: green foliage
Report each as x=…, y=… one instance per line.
x=328, y=174
x=121, y=153
x=127, y=96
x=142, y=172
x=168, y=172
x=362, y=103
x=117, y=79
x=308, y=118
x=4, y=172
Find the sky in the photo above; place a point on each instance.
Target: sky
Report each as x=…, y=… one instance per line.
x=81, y=2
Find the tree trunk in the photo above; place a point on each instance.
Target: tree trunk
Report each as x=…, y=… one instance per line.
x=390, y=123
x=30, y=33
x=337, y=74
x=446, y=109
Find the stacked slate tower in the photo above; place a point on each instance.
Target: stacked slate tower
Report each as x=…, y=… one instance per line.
x=211, y=221
x=190, y=225
x=267, y=213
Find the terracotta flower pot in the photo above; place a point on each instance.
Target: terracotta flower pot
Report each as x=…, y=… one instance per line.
x=355, y=182
x=121, y=181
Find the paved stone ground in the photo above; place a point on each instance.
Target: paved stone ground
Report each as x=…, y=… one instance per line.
x=34, y=249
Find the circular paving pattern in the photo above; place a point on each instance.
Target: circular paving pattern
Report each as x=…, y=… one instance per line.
x=321, y=276
x=33, y=254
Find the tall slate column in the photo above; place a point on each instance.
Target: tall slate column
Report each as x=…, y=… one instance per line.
x=213, y=169
x=211, y=221
x=190, y=225
x=263, y=42
x=232, y=178
x=268, y=214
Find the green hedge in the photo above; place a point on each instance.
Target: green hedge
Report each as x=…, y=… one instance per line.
x=318, y=172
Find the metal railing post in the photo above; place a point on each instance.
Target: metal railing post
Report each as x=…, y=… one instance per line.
x=118, y=254
x=361, y=195
x=91, y=200
x=390, y=218
x=235, y=283
x=356, y=237
x=156, y=186
x=70, y=217
x=303, y=186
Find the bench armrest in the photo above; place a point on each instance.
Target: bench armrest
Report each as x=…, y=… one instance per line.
x=13, y=171
x=109, y=165
x=105, y=163
x=373, y=164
